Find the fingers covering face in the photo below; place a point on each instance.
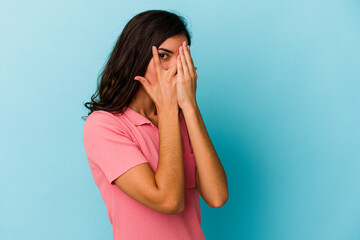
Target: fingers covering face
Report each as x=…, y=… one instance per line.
x=189, y=60
x=156, y=59
x=180, y=70
x=183, y=61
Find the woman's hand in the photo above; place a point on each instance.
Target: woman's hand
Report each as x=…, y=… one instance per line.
x=162, y=90
x=186, y=78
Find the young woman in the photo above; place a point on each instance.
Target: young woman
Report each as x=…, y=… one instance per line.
x=146, y=143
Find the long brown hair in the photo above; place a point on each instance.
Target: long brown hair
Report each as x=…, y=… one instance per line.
x=131, y=56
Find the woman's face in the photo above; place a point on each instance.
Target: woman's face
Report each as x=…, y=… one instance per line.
x=168, y=52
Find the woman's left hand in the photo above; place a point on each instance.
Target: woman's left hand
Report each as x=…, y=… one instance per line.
x=186, y=79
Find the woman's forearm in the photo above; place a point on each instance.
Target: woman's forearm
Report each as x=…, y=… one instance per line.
x=169, y=175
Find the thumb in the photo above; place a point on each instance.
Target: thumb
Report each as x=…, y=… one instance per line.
x=143, y=81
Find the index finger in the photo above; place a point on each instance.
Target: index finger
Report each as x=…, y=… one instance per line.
x=188, y=55
x=156, y=59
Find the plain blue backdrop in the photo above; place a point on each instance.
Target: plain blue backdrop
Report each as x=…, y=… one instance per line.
x=278, y=89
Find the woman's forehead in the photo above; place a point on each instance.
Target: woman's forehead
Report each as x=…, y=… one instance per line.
x=174, y=42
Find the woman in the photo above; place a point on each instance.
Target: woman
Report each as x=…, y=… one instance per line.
x=146, y=143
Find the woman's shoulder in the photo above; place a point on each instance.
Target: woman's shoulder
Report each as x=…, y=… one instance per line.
x=100, y=119
x=99, y=115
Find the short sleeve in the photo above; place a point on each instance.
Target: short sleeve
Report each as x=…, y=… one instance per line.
x=108, y=146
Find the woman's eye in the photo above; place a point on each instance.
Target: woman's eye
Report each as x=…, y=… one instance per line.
x=161, y=54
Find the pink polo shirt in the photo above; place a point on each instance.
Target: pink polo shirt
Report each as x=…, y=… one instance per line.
x=114, y=144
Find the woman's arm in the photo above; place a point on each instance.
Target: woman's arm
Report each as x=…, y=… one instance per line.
x=210, y=175
x=169, y=174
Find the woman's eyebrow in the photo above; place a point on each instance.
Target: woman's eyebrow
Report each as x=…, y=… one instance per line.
x=166, y=50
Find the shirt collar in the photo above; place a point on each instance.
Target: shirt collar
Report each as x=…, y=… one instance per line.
x=135, y=117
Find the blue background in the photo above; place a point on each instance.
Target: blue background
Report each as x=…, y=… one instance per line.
x=278, y=89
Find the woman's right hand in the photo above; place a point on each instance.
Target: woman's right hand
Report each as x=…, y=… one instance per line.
x=161, y=90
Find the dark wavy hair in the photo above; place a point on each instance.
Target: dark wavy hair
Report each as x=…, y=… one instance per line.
x=131, y=56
